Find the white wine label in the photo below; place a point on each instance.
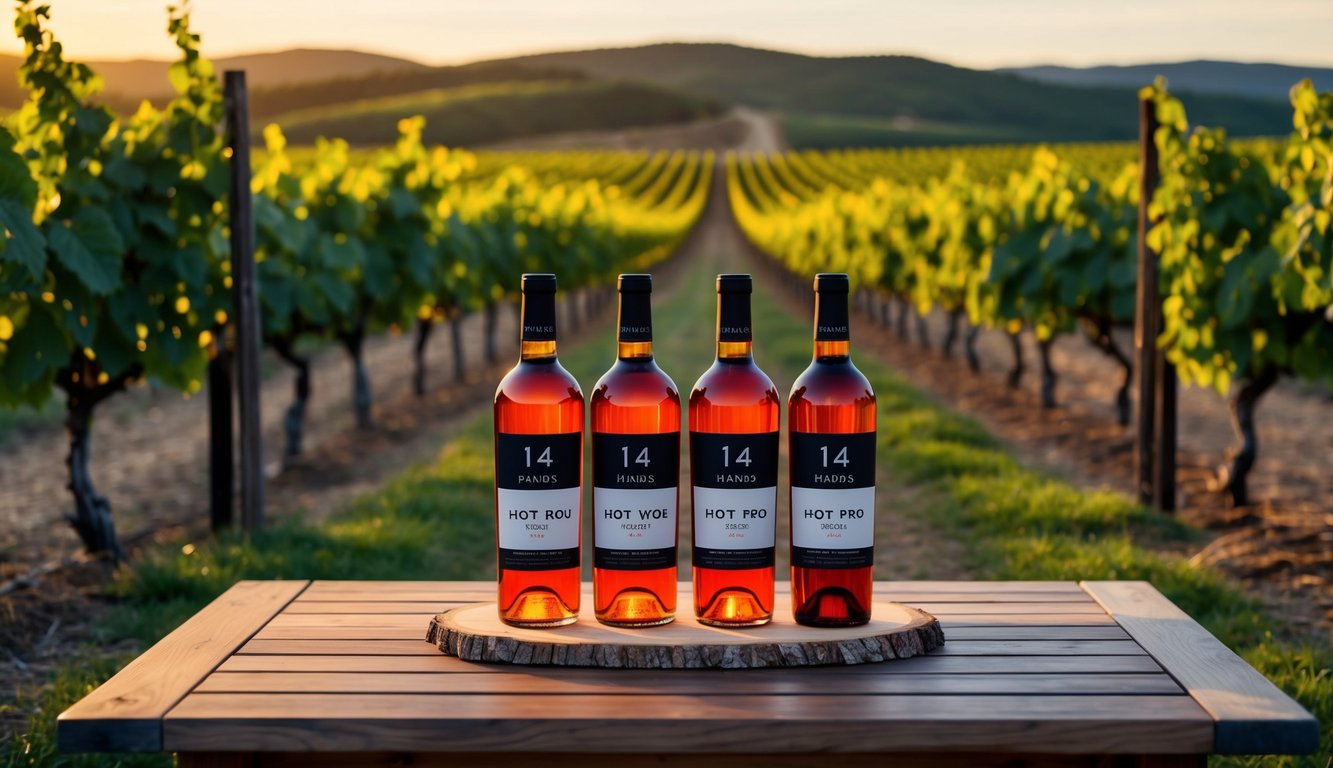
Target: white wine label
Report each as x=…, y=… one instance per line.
x=538, y=499
x=636, y=479
x=735, y=529
x=832, y=528
x=832, y=499
x=735, y=478
x=634, y=530
x=539, y=530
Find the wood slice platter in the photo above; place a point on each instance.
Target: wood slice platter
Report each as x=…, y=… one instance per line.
x=475, y=633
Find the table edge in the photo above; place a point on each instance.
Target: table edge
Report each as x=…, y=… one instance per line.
x=1251, y=715
x=125, y=714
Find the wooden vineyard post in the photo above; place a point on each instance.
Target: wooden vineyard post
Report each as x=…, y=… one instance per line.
x=245, y=301
x=221, y=459
x=1155, y=438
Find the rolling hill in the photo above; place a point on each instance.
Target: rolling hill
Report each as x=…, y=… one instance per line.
x=1259, y=81
x=839, y=101
x=485, y=114
x=129, y=82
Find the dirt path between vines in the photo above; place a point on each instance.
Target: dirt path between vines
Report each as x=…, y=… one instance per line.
x=908, y=546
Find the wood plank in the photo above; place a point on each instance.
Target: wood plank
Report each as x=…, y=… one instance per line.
x=343, y=647
x=914, y=596
x=1037, y=633
x=1000, y=628
x=687, y=724
x=1252, y=715
x=1027, y=620
x=485, y=590
x=577, y=760
x=402, y=626
x=786, y=682
x=304, y=604
x=302, y=659
x=983, y=609
x=124, y=713
x=1039, y=648
x=993, y=587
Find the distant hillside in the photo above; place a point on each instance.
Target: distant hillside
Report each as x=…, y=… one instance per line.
x=265, y=103
x=484, y=114
x=129, y=82
x=901, y=99
x=1259, y=81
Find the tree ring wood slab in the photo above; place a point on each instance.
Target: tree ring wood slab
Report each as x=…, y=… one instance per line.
x=475, y=633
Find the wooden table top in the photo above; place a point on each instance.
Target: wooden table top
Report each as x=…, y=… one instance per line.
x=1027, y=667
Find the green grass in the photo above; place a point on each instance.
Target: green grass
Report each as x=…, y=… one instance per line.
x=434, y=522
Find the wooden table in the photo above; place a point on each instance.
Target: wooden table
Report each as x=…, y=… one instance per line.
x=1059, y=673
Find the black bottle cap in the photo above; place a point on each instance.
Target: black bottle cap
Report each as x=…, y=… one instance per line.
x=832, y=282
x=635, y=284
x=538, y=282
x=734, y=283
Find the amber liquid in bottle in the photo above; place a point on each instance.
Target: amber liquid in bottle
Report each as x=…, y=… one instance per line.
x=734, y=413
x=636, y=474
x=831, y=422
x=538, y=473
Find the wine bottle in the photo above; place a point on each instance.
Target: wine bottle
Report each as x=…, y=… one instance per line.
x=734, y=413
x=538, y=473
x=636, y=474
x=831, y=422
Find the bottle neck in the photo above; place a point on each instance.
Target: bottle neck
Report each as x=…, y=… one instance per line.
x=634, y=327
x=832, y=327
x=537, y=321
x=735, y=338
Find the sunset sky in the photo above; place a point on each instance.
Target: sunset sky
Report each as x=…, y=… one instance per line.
x=979, y=33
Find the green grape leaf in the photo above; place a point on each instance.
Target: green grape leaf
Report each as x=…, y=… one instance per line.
x=23, y=242
x=90, y=247
x=38, y=349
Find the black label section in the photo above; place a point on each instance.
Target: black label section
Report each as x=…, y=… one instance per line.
x=733, y=317
x=831, y=321
x=537, y=462
x=538, y=317
x=809, y=557
x=833, y=460
x=733, y=559
x=634, y=559
x=635, y=461
x=722, y=460
x=636, y=317
x=539, y=559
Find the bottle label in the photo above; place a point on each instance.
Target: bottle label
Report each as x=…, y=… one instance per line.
x=538, y=317
x=831, y=317
x=735, y=478
x=733, y=317
x=636, y=317
x=537, y=492
x=832, y=499
x=635, y=488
